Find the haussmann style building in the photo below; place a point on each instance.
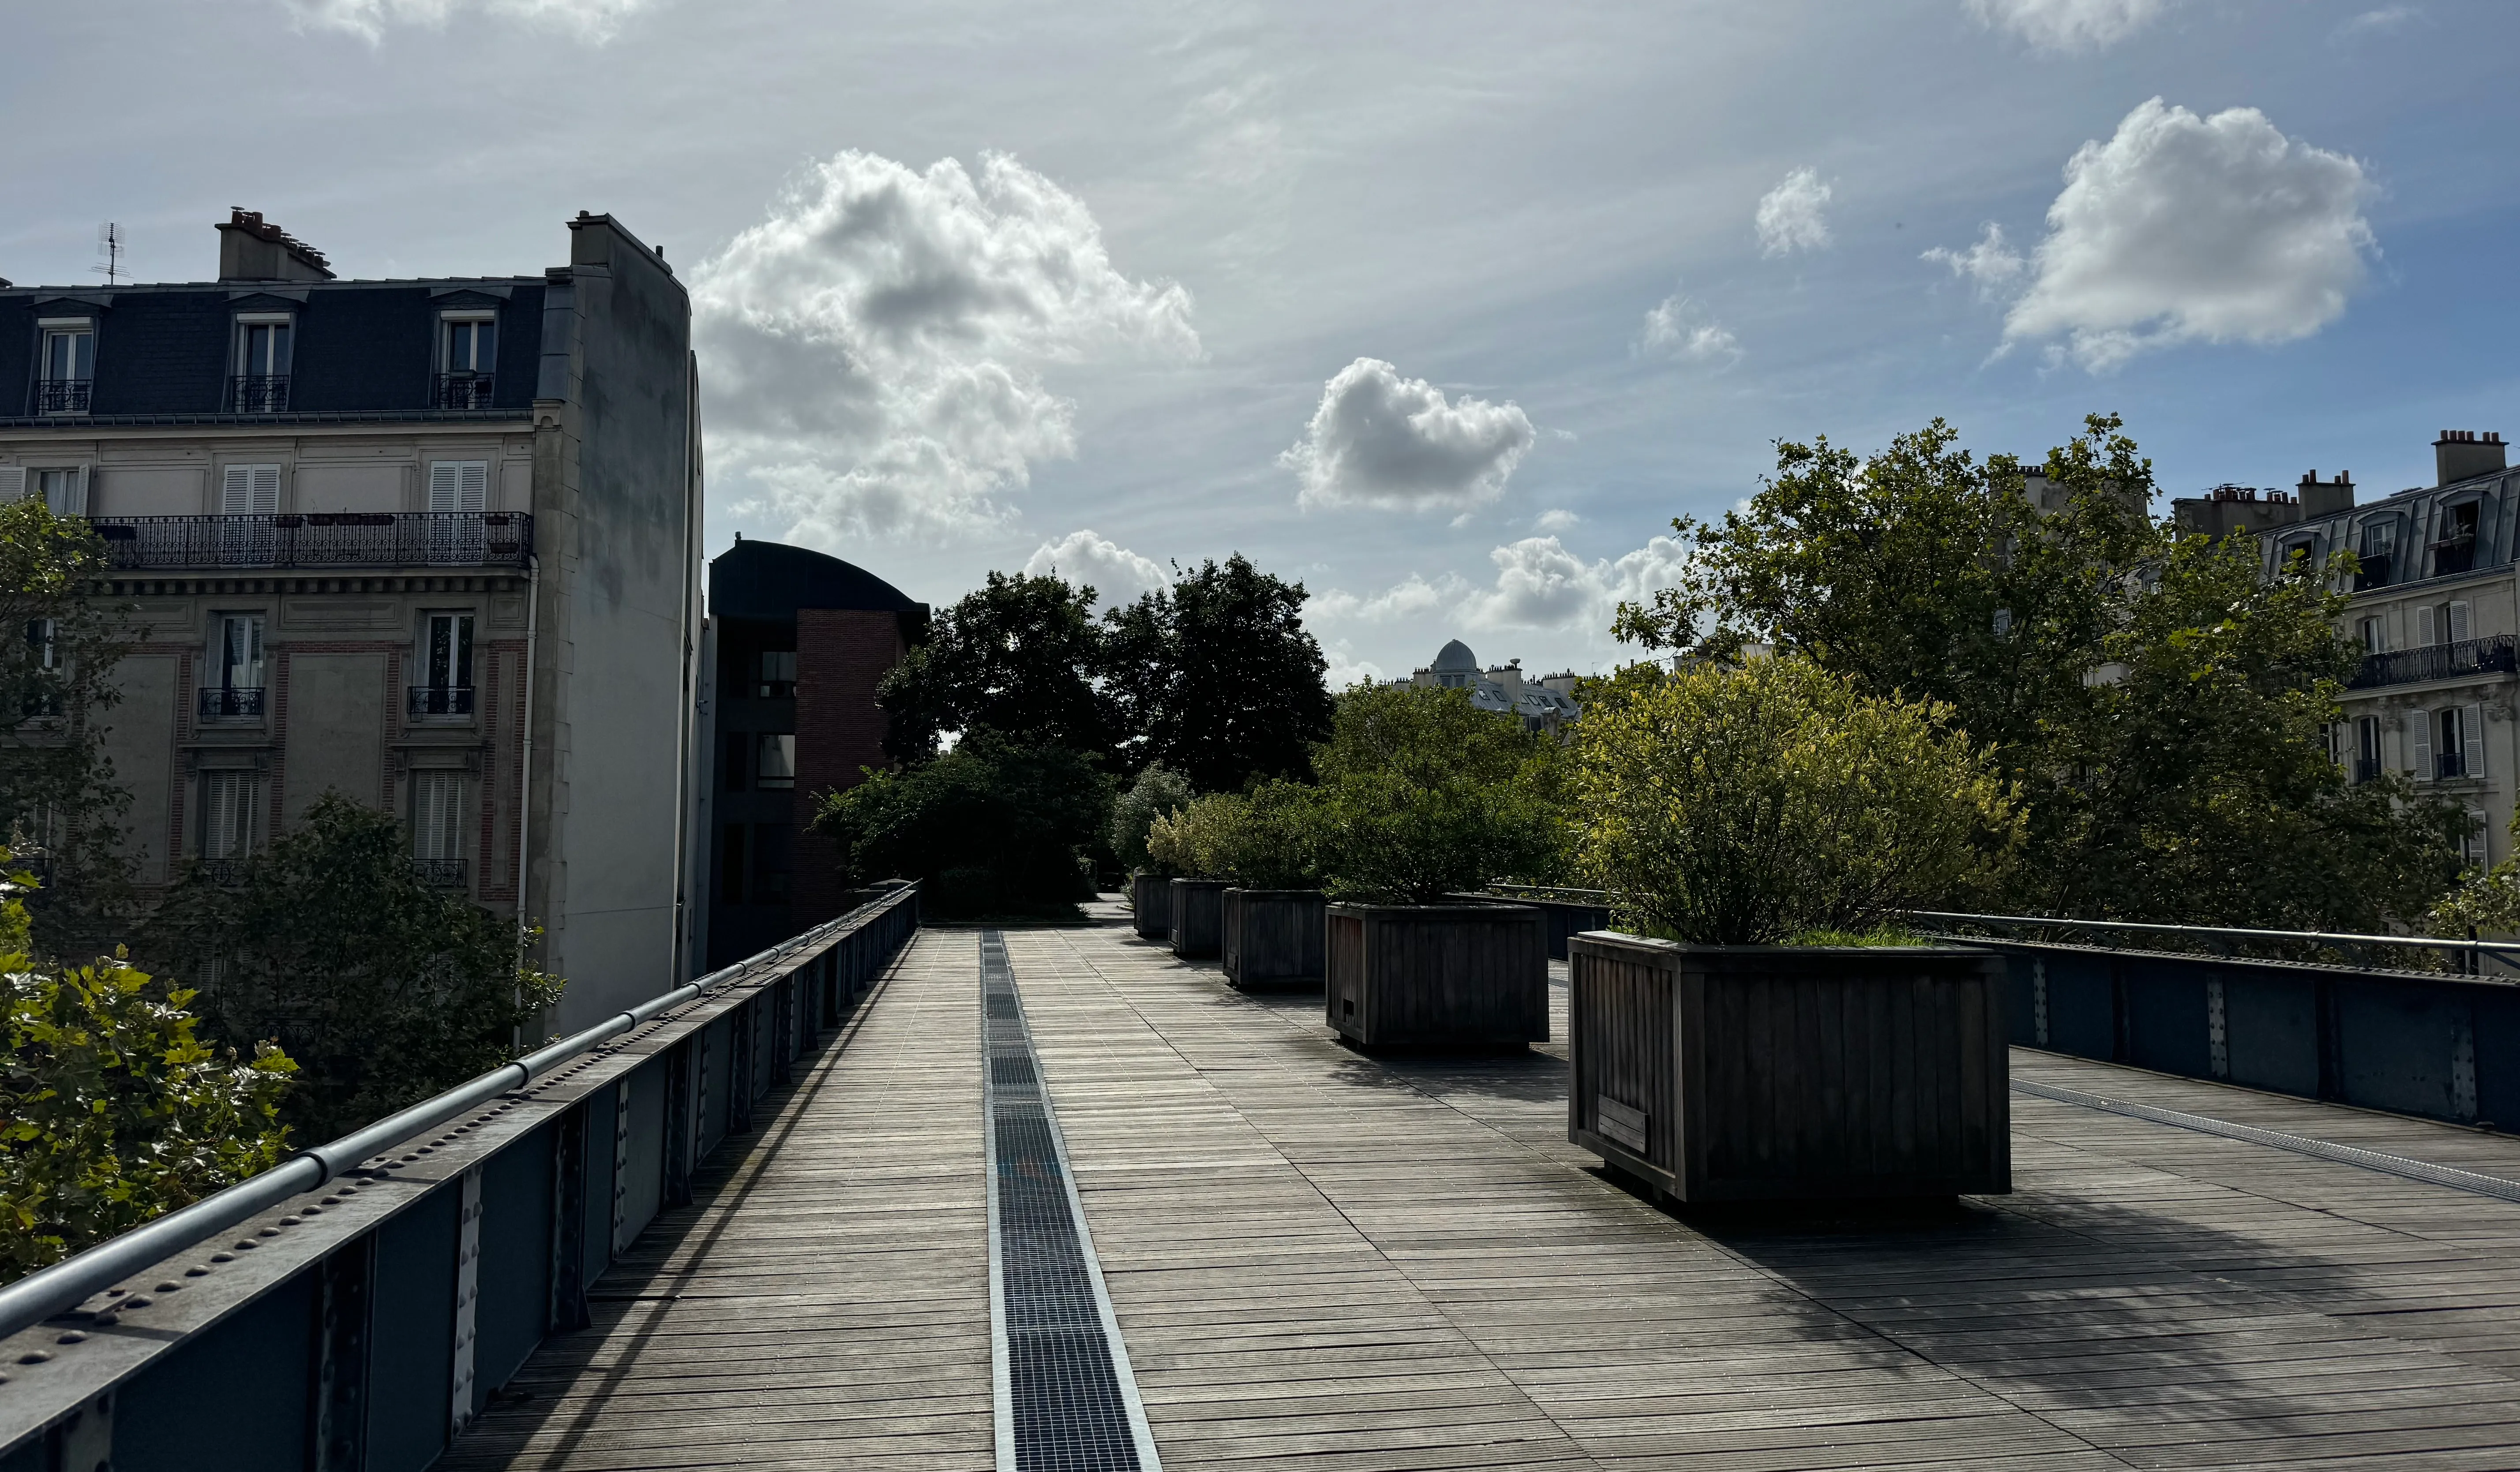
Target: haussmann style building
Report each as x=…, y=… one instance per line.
x=432, y=544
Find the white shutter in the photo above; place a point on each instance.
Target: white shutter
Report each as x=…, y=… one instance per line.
x=227, y=814
x=458, y=486
x=443, y=487
x=2473, y=847
x=2459, y=625
x=473, y=486
x=13, y=482
x=2419, y=736
x=2471, y=736
x=267, y=490
x=2424, y=625
x=78, y=492
x=437, y=812
x=249, y=491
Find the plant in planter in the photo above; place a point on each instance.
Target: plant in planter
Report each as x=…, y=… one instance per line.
x=1188, y=843
x=1264, y=842
x=1158, y=793
x=1733, y=810
x=1423, y=795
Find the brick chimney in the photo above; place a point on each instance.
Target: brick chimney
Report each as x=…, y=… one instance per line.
x=2325, y=497
x=251, y=250
x=2465, y=454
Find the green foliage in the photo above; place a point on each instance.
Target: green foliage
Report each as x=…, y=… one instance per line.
x=384, y=989
x=1019, y=656
x=111, y=1111
x=1423, y=795
x=1216, y=677
x=1260, y=840
x=1159, y=792
x=2157, y=701
x=994, y=827
x=58, y=793
x=1879, y=936
x=2485, y=903
x=1744, y=807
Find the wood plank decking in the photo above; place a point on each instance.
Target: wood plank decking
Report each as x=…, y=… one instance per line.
x=1349, y=1262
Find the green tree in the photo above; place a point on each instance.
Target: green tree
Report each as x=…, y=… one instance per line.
x=992, y=827
x=1264, y=838
x=59, y=799
x=1216, y=677
x=2156, y=700
x=111, y=1111
x=1019, y=655
x=384, y=989
x=1744, y=806
x=1423, y=795
x=1158, y=793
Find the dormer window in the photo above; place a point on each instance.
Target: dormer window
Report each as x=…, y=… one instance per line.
x=467, y=359
x=65, y=370
x=2377, y=554
x=259, y=379
x=2454, y=551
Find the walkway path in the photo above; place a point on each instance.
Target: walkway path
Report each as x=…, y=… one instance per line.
x=1322, y=1258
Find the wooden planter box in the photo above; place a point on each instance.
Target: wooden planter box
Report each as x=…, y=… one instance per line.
x=1150, y=901
x=1198, y=918
x=1273, y=938
x=1773, y=1072
x=1470, y=976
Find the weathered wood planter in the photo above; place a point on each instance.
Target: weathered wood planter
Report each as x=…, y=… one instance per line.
x=1198, y=918
x=1470, y=975
x=1150, y=901
x=1273, y=938
x=1771, y=1072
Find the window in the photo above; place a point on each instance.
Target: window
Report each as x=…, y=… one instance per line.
x=777, y=763
x=236, y=663
x=467, y=358
x=459, y=490
x=2471, y=848
x=2375, y=636
x=2456, y=743
x=249, y=491
x=777, y=674
x=437, y=823
x=42, y=697
x=258, y=382
x=40, y=635
x=66, y=369
x=446, y=666
x=730, y=884
x=2456, y=551
x=2378, y=553
x=771, y=851
x=230, y=802
x=2366, y=749
x=736, y=750
x=64, y=491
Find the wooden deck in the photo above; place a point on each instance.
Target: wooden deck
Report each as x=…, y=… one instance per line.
x=1327, y=1260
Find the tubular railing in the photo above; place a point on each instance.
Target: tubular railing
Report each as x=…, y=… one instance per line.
x=355, y=1306
x=2497, y=654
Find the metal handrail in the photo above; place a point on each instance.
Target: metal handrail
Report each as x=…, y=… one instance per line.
x=65, y=1284
x=2330, y=937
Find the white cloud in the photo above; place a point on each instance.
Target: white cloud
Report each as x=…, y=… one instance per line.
x=1410, y=597
x=1381, y=439
x=1677, y=326
x=1992, y=265
x=2183, y=228
x=1087, y=557
x=1346, y=669
x=595, y=21
x=1558, y=519
x=877, y=345
x=2375, y=22
x=1793, y=215
x=2069, y=25
x=1539, y=584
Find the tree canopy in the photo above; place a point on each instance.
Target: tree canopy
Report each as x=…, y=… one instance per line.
x=995, y=826
x=1020, y=654
x=1217, y=678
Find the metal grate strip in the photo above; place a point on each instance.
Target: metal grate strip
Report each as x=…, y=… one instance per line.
x=2351, y=1154
x=1066, y=1400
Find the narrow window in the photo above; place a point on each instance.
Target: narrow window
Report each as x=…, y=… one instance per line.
x=236, y=667
x=438, y=826
x=736, y=748
x=65, y=370
x=777, y=766
x=467, y=358
x=777, y=674
x=64, y=491
x=446, y=668
x=44, y=698
x=769, y=863
x=2472, y=847
x=260, y=380
x=2449, y=748
x=2455, y=621
x=2366, y=749
x=2378, y=553
x=2375, y=639
x=229, y=800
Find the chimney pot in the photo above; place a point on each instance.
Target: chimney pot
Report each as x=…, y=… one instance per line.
x=2465, y=454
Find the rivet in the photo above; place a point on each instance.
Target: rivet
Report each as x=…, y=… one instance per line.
x=196, y=1273
x=34, y=1357
x=72, y=1337
x=169, y=1287
x=268, y=1231
x=310, y=1211
x=249, y=1244
x=221, y=1257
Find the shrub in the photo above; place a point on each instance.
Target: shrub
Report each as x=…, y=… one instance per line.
x=1262, y=840
x=1423, y=795
x=1740, y=807
x=992, y=827
x=1159, y=792
x=111, y=1112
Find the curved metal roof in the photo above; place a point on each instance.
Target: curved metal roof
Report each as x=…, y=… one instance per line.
x=772, y=580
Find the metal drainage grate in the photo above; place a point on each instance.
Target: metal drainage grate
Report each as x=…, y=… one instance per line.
x=1066, y=1402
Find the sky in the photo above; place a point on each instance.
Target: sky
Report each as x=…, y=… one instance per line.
x=1445, y=312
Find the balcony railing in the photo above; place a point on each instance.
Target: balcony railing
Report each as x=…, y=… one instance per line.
x=2455, y=554
x=320, y=540
x=63, y=396
x=2367, y=768
x=464, y=390
x=259, y=393
x=233, y=702
x=439, y=873
x=441, y=699
x=2447, y=764
x=226, y=873
x=2496, y=655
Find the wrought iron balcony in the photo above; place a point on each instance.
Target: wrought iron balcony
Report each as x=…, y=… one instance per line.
x=464, y=390
x=319, y=539
x=2455, y=554
x=2450, y=765
x=226, y=873
x=439, y=873
x=231, y=702
x=2367, y=768
x=441, y=699
x=63, y=396
x=259, y=393
x=2496, y=655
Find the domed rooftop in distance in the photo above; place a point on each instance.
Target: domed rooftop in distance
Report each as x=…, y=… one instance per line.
x=772, y=580
x=1456, y=655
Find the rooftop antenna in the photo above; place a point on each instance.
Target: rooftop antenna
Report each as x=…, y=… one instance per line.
x=108, y=244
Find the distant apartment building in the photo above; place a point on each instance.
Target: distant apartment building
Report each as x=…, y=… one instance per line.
x=1545, y=702
x=795, y=645
x=432, y=544
x=2435, y=609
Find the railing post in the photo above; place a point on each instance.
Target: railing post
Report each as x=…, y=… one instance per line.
x=568, y=1223
x=620, y=1169
x=343, y=1307
x=680, y=1147
x=739, y=1098
x=468, y=1302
